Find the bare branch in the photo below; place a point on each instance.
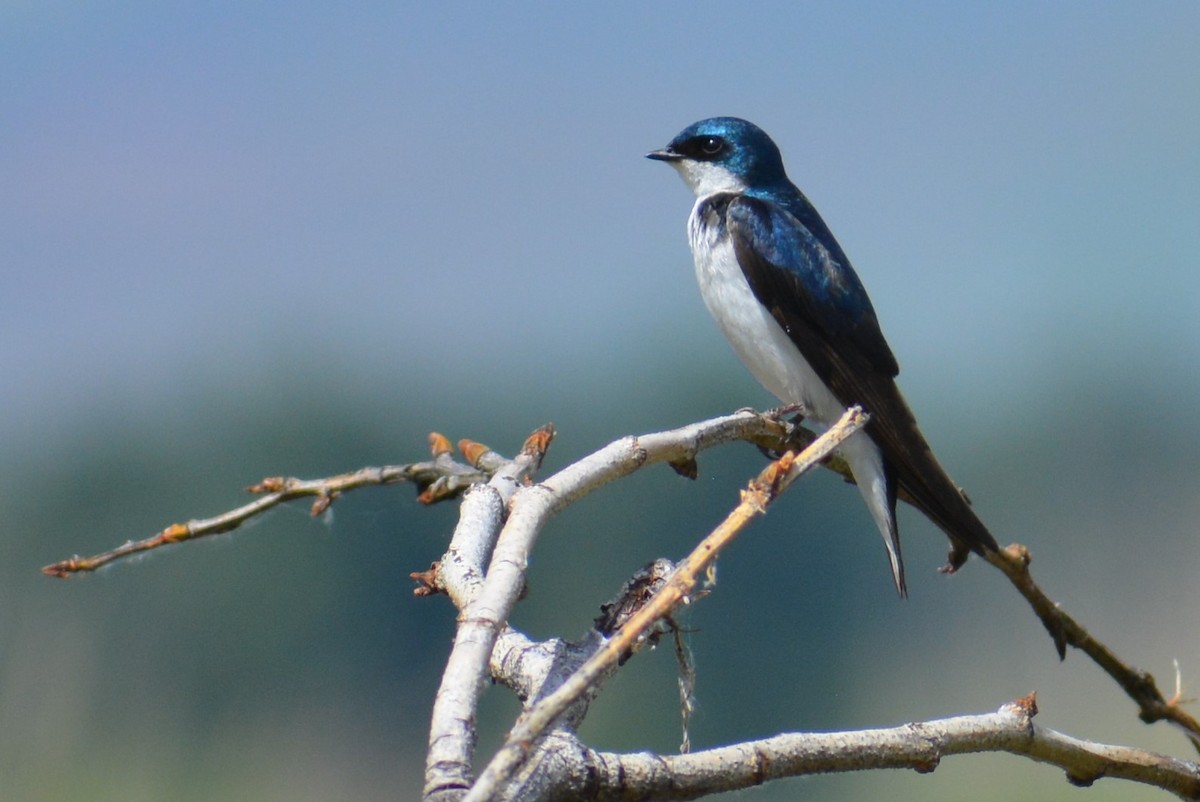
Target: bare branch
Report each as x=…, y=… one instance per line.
x=918, y=746
x=452, y=728
x=755, y=500
x=438, y=479
x=485, y=606
x=1139, y=685
x=501, y=520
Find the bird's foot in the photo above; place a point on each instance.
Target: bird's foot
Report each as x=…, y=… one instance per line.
x=956, y=558
x=779, y=413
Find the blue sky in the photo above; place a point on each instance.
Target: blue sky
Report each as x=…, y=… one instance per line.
x=201, y=184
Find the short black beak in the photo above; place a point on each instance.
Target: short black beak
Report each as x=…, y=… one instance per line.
x=664, y=155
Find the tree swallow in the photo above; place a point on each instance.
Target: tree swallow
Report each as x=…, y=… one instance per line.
x=796, y=313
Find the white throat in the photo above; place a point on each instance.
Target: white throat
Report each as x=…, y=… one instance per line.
x=707, y=178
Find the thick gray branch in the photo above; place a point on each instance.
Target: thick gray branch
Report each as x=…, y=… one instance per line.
x=919, y=746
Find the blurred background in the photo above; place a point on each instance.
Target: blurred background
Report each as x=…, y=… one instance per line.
x=241, y=240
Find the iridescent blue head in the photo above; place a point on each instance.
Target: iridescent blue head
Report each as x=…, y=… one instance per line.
x=723, y=154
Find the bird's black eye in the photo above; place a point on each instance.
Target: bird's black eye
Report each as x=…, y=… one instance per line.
x=704, y=147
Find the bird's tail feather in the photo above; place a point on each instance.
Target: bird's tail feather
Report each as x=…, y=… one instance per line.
x=878, y=490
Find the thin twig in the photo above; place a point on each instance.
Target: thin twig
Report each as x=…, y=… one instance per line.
x=439, y=479
x=1138, y=685
x=1065, y=631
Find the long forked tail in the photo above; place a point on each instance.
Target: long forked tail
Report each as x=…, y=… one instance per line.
x=921, y=478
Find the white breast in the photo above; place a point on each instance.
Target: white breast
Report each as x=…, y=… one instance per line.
x=777, y=363
x=758, y=340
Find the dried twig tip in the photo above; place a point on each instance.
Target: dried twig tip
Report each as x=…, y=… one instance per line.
x=473, y=451
x=439, y=444
x=323, y=502
x=61, y=569
x=539, y=441
x=428, y=582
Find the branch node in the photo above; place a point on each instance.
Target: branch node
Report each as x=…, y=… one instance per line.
x=927, y=766
x=1083, y=780
x=687, y=468
x=1019, y=554
x=270, y=484
x=1024, y=708
x=633, y=595
x=175, y=533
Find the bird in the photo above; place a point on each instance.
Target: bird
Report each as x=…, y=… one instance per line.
x=796, y=313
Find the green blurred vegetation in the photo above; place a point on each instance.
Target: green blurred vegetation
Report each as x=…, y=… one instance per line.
x=289, y=660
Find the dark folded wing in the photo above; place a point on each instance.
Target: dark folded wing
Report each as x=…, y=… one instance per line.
x=816, y=297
